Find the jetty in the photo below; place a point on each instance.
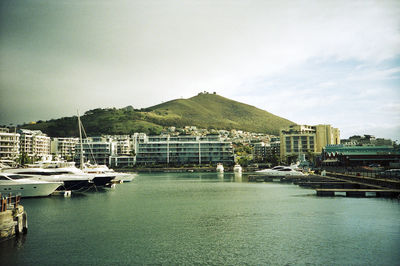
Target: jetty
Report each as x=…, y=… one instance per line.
x=13, y=218
x=339, y=184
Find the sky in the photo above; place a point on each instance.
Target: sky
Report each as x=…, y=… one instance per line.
x=312, y=62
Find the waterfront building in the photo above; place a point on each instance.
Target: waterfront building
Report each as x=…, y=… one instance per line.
x=122, y=161
x=179, y=150
x=9, y=144
x=124, y=144
x=345, y=155
x=304, y=139
x=97, y=150
x=64, y=147
x=34, y=143
x=266, y=151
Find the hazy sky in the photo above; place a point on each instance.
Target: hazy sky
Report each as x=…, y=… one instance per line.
x=313, y=62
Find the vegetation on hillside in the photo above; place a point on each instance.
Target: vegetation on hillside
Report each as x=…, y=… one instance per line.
x=204, y=111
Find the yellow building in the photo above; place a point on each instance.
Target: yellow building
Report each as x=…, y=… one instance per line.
x=304, y=139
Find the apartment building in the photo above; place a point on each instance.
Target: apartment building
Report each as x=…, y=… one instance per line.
x=179, y=150
x=64, y=147
x=34, y=143
x=304, y=139
x=264, y=151
x=9, y=144
x=96, y=150
x=124, y=143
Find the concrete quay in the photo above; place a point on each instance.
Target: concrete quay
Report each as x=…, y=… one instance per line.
x=13, y=218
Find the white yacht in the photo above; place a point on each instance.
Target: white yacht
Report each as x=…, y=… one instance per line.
x=280, y=171
x=237, y=168
x=69, y=179
x=26, y=186
x=220, y=168
x=69, y=168
x=103, y=169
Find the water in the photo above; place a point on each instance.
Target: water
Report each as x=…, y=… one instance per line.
x=202, y=219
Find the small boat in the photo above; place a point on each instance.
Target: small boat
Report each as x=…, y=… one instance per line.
x=26, y=186
x=237, y=168
x=220, y=168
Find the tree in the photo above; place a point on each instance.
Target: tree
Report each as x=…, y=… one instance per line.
x=311, y=156
x=24, y=159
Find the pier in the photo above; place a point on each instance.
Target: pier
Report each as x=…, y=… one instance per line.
x=338, y=184
x=13, y=218
x=384, y=193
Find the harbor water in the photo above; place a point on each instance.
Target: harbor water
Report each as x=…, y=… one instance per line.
x=206, y=218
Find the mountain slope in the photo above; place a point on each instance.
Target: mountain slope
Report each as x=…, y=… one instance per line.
x=204, y=111
x=211, y=110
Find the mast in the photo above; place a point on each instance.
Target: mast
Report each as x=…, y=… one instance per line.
x=80, y=139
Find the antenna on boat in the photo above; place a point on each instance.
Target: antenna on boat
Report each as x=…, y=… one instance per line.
x=80, y=138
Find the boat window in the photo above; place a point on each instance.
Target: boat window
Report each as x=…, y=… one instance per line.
x=35, y=173
x=3, y=177
x=62, y=173
x=15, y=177
x=285, y=170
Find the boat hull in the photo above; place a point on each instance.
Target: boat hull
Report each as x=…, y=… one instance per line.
x=30, y=190
x=75, y=185
x=103, y=180
x=120, y=177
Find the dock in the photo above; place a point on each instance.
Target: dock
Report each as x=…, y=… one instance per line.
x=336, y=184
x=13, y=218
x=384, y=193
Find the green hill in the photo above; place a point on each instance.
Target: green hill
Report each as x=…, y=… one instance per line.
x=204, y=111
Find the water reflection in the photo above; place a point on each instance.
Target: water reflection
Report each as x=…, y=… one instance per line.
x=16, y=242
x=238, y=177
x=220, y=176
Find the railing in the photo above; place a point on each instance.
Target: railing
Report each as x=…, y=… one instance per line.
x=9, y=202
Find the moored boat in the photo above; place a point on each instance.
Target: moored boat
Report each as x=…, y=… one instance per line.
x=26, y=186
x=220, y=168
x=103, y=169
x=237, y=168
x=280, y=171
x=70, y=179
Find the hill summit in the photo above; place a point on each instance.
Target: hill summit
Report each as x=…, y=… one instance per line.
x=205, y=110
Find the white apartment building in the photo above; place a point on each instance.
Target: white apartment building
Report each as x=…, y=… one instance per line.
x=96, y=150
x=64, y=147
x=34, y=143
x=9, y=144
x=179, y=150
x=124, y=144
